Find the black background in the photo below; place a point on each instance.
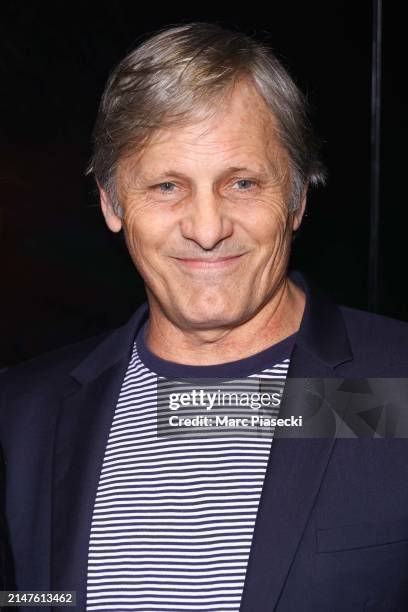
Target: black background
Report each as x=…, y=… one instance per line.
x=64, y=276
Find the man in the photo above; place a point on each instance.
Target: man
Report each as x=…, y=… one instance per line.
x=203, y=157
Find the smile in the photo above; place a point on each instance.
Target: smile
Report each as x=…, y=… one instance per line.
x=209, y=264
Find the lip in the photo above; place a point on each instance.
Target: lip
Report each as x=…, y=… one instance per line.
x=209, y=264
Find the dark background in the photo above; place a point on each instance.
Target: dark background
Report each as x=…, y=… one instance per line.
x=64, y=276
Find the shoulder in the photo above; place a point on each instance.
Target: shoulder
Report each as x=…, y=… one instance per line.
x=47, y=370
x=31, y=392
x=376, y=337
x=372, y=327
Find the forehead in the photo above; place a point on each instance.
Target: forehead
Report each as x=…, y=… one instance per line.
x=241, y=133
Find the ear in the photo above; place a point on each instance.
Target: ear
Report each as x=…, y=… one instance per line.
x=113, y=221
x=299, y=212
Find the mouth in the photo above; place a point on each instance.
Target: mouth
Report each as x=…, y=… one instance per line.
x=207, y=263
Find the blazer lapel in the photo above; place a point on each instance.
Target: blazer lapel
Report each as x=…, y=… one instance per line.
x=296, y=467
x=84, y=422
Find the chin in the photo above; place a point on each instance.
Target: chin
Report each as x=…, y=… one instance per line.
x=210, y=318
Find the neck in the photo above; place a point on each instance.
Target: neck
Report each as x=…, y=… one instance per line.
x=276, y=320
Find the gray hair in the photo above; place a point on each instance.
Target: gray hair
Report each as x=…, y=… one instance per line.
x=183, y=70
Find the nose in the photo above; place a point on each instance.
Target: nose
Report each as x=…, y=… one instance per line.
x=206, y=221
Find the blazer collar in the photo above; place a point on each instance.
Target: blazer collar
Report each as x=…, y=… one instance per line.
x=322, y=330
x=116, y=345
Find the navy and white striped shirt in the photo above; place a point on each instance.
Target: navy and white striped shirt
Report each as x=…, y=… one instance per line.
x=174, y=517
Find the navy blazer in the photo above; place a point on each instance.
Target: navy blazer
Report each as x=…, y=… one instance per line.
x=331, y=533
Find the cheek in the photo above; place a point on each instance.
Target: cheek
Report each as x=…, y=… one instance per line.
x=146, y=233
x=268, y=226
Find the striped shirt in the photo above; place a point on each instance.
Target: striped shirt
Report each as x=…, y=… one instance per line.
x=173, y=518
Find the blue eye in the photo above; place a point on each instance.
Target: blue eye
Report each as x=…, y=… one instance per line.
x=246, y=181
x=160, y=185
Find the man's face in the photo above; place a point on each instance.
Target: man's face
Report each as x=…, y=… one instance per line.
x=206, y=215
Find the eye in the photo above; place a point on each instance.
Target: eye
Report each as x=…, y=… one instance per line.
x=245, y=183
x=164, y=187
